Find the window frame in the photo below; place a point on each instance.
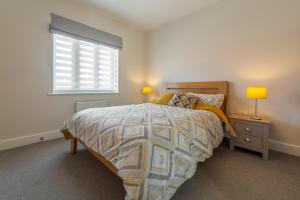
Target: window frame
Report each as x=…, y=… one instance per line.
x=86, y=91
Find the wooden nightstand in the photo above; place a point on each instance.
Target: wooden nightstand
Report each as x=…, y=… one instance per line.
x=251, y=134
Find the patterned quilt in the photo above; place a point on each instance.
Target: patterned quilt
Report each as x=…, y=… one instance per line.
x=155, y=148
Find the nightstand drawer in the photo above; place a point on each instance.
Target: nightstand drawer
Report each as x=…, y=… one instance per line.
x=249, y=129
x=249, y=141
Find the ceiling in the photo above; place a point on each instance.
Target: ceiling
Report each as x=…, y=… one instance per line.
x=150, y=14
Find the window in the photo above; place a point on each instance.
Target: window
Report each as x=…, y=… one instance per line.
x=83, y=67
x=85, y=59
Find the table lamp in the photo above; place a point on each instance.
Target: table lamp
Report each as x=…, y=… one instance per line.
x=146, y=90
x=256, y=93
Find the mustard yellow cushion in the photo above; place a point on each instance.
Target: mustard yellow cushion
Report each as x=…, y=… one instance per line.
x=219, y=113
x=153, y=101
x=164, y=99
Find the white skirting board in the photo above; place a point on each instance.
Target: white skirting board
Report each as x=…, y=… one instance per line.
x=30, y=139
x=284, y=147
x=49, y=135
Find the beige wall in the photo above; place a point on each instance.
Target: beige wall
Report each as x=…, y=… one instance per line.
x=26, y=75
x=247, y=42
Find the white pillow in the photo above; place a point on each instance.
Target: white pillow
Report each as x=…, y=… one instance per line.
x=216, y=100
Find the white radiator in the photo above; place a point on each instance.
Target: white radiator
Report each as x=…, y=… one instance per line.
x=82, y=105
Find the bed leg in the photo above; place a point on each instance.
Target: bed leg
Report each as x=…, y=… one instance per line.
x=73, y=145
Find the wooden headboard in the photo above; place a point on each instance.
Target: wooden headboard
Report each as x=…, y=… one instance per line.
x=215, y=87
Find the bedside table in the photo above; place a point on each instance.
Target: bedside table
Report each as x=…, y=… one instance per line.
x=251, y=134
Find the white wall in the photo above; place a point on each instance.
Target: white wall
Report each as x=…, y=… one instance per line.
x=26, y=73
x=247, y=42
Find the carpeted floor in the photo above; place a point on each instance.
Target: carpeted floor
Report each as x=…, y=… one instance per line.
x=47, y=171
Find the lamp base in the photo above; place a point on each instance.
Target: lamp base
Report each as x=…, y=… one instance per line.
x=255, y=118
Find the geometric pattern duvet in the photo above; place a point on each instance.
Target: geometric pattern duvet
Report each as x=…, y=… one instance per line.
x=155, y=148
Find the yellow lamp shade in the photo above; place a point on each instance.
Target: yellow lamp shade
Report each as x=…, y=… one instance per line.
x=257, y=92
x=147, y=90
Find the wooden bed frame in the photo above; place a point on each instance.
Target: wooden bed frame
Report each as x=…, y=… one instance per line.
x=216, y=87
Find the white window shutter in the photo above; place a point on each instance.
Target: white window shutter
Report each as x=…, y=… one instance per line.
x=81, y=66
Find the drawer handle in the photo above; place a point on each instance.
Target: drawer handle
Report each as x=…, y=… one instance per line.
x=247, y=140
x=248, y=129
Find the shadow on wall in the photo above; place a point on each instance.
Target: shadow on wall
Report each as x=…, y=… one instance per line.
x=279, y=130
x=235, y=100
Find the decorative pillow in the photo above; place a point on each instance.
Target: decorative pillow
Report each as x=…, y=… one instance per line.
x=164, y=99
x=183, y=100
x=216, y=100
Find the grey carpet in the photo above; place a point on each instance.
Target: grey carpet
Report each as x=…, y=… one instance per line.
x=46, y=171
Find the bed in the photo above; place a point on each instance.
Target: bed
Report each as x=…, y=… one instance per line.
x=152, y=148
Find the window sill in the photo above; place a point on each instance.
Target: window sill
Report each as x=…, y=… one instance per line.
x=79, y=93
